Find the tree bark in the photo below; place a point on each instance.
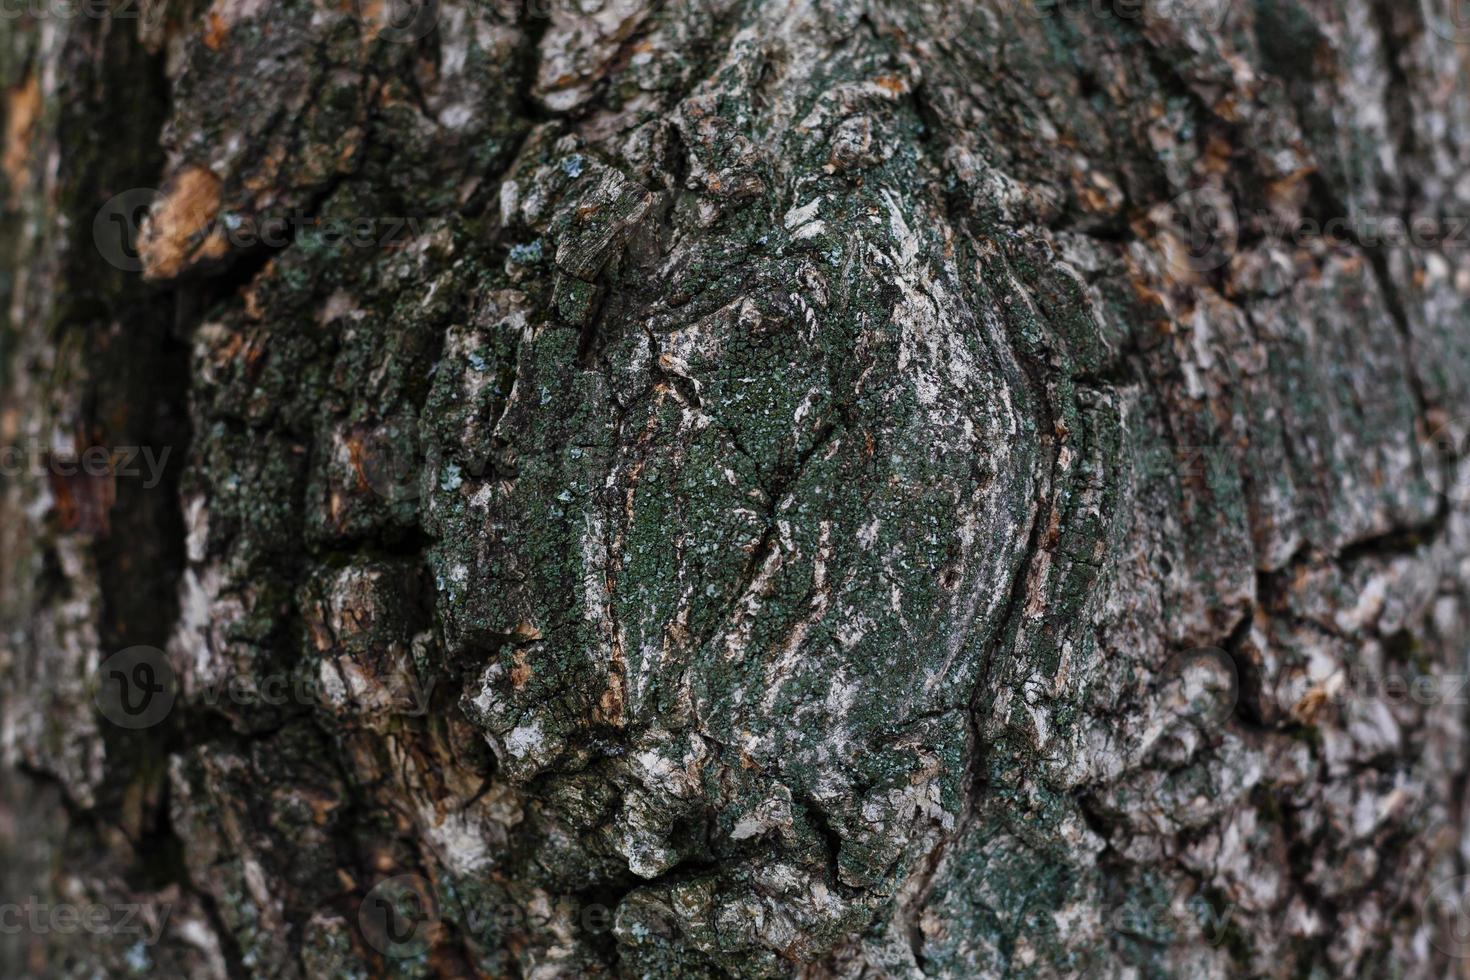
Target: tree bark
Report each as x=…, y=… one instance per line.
x=817, y=488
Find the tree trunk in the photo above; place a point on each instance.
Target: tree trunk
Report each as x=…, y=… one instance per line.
x=815, y=488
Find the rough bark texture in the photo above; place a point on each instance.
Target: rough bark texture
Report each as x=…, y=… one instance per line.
x=791, y=488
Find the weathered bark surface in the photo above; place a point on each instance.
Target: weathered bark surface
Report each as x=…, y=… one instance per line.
x=761, y=513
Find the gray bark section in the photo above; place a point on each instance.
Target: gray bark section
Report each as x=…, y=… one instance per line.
x=763, y=489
